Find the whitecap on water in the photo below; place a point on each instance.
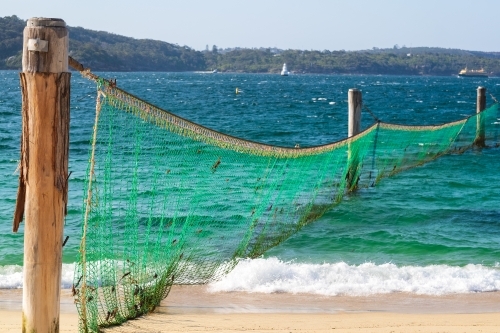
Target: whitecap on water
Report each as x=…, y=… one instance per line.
x=273, y=275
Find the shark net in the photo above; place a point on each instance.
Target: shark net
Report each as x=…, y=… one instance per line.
x=172, y=202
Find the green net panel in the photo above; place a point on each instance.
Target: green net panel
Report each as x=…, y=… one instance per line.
x=171, y=202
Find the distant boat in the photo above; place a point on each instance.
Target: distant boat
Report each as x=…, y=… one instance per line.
x=284, y=71
x=473, y=73
x=214, y=71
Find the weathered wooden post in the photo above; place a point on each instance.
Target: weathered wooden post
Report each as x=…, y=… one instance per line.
x=43, y=180
x=480, y=106
x=354, y=128
x=355, y=103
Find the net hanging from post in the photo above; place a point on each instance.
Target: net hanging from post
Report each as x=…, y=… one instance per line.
x=172, y=202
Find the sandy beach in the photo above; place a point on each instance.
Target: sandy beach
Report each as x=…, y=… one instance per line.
x=193, y=309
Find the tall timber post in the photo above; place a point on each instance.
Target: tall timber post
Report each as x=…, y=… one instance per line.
x=354, y=128
x=480, y=140
x=43, y=179
x=355, y=102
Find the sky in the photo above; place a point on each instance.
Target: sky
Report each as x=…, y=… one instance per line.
x=286, y=24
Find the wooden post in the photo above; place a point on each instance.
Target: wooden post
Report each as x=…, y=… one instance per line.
x=480, y=140
x=354, y=128
x=355, y=102
x=45, y=83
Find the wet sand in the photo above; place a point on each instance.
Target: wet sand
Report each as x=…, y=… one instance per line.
x=193, y=309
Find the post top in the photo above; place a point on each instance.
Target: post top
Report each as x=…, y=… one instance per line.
x=353, y=89
x=45, y=22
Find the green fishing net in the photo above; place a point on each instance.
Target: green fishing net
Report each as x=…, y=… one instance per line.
x=172, y=202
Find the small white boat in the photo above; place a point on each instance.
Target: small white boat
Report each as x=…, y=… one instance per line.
x=214, y=71
x=284, y=71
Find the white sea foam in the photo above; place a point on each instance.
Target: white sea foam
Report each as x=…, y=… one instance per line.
x=11, y=276
x=273, y=275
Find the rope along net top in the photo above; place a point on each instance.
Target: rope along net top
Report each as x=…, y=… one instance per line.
x=172, y=202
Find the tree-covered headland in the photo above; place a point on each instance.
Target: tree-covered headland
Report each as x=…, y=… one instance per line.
x=103, y=51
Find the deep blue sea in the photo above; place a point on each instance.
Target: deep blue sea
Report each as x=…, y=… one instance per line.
x=434, y=229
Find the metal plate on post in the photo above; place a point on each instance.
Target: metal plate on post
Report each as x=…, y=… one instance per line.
x=37, y=58
x=38, y=44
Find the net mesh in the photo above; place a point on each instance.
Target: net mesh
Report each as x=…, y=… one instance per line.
x=171, y=202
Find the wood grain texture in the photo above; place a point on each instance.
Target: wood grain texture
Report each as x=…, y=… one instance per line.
x=43, y=177
x=21, y=191
x=45, y=170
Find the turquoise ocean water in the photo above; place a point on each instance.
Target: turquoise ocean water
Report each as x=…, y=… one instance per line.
x=434, y=229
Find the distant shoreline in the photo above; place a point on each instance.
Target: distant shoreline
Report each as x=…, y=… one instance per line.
x=104, y=51
x=274, y=74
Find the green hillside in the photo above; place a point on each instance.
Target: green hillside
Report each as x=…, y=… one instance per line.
x=104, y=51
x=421, y=61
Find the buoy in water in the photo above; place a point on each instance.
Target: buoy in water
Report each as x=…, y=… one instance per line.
x=237, y=91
